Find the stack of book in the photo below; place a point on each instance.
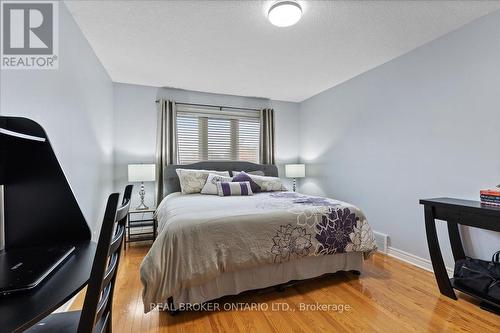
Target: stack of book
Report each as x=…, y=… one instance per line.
x=491, y=197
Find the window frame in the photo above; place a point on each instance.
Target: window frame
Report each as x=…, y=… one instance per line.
x=218, y=113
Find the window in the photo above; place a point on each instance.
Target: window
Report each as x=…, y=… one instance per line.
x=211, y=133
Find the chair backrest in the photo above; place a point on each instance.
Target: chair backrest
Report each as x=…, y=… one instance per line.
x=98, y=301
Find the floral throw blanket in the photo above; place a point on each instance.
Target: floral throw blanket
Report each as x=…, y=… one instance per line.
x=202, y=236
x=324, y=226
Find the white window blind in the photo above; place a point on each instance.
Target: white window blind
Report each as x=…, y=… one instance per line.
x=207, y=133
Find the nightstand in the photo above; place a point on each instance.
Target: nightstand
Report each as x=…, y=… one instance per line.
x=141, y=225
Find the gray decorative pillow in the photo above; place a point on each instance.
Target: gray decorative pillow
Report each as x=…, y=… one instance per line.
x=211, y=184
x=256, y=172
x=192, y=181
x=268, y=184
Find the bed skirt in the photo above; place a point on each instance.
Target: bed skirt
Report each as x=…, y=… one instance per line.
x=233, y=283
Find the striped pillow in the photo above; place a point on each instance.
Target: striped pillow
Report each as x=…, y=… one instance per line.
x=236, y=188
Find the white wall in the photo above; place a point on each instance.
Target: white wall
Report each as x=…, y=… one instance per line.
x=75, y=106
x=424, y=125
x=134, y=134
x=287, y=135
x=135, y=125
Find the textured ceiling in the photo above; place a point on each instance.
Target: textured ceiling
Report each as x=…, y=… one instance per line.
x=230, y=47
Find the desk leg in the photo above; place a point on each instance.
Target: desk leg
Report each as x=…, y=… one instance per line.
x=442, y=278
x=455, y=241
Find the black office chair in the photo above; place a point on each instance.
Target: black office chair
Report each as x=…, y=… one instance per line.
x=95, y=317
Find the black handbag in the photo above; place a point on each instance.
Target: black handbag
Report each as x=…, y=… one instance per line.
x=479, y=275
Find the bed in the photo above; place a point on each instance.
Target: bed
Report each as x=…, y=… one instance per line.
x=210, y=246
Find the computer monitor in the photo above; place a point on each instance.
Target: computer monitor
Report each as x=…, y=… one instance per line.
x=40, y=219
x=3, y=176
x=2, y=218
x=2, y=205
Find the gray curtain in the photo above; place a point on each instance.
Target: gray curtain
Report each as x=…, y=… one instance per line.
x=166, y=143
x=267, y=141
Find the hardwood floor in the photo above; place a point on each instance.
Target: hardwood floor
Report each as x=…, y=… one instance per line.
x=389, y=296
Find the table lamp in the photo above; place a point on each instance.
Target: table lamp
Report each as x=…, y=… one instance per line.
x=295, y=171
x=141, y=173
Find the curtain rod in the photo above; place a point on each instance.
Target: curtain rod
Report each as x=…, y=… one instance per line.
x=213, y=106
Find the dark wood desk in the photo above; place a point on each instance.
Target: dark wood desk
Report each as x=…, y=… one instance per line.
x=19, y=311
x=455, y=212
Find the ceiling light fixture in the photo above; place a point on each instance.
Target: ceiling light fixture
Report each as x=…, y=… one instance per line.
x=284, y=13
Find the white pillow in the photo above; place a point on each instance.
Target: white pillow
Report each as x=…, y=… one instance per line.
x=268, y=184
x=211, y=184
x=192, y=181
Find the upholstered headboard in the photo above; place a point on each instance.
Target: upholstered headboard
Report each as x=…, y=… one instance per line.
x=171, y=180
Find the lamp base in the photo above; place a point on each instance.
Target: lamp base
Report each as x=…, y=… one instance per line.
x=142, y=206
x=142, y=193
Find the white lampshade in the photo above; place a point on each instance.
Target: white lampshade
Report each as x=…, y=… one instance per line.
x=295, y=170
x=141, y=172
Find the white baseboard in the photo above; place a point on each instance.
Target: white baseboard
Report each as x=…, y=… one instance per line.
x=414, y=260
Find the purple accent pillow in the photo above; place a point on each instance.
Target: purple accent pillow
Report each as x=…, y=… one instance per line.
x=243, y=177
x=228, y=189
